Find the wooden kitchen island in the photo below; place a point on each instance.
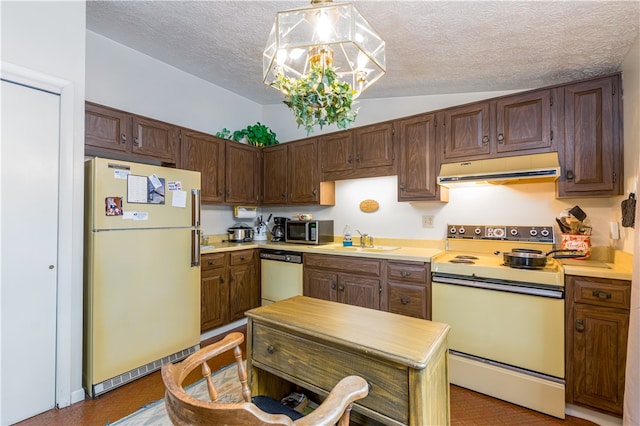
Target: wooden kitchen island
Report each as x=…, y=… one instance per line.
x=314, y=343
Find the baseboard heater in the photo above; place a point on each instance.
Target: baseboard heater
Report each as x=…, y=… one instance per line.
x=136, y=373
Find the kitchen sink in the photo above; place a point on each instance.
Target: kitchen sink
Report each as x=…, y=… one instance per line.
x=207, y=247
x=338, y=247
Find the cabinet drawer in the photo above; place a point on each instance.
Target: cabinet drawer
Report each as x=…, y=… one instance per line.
x=408, y=299
x=241, y=257
x=414, y=272
x=352, y=265
x=325, y=366
x=602, y=292
x=211, y=261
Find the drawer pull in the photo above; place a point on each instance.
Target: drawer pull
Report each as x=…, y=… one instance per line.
x=210, y=263
x=405, y=300
x=271, y=349
x=405, y=274
x=580, y=325
x=601, y=294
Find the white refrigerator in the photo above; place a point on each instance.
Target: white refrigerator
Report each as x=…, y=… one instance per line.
x=142, y=270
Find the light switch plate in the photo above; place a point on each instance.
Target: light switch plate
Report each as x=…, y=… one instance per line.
x=427, y=221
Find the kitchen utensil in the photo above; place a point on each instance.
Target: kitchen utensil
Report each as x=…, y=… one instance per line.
x=629, y=211
x=536, y=259
x=240, y=233
x=564, y=229
x=578, y=213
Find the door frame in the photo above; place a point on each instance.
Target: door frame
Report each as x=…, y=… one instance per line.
x=65, y=343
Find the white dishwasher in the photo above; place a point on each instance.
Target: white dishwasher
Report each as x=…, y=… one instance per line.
x=281, y=275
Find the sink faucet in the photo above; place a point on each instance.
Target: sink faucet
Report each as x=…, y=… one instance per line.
x=363, y=239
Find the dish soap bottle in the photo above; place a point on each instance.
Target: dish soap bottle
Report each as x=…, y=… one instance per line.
x=346, y=242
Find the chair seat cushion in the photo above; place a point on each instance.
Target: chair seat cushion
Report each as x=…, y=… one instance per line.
x=273, y=406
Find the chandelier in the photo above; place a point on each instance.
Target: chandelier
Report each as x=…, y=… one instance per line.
x=324, y=35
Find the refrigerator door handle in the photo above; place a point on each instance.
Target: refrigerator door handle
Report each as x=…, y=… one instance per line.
x=195, y=207
x=195, y=247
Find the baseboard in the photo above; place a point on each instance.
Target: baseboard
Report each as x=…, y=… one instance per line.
x=77, y=395
x=222, y=330
x=591, y=415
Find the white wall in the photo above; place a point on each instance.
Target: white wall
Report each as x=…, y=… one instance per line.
x=120, y=77
x=631, y=97
x=48, y=37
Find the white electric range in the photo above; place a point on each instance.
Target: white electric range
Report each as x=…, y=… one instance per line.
x=507, y=324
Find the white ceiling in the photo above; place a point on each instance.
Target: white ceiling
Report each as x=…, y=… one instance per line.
x=432, y=47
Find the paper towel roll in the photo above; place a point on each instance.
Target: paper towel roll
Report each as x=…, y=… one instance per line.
x=243, y=212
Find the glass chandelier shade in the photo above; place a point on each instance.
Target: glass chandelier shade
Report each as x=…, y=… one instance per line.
x=325, y=34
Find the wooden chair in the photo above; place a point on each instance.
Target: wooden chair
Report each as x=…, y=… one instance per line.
x=186, y=410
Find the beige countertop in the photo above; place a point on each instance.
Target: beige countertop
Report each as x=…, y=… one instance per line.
x=616, y=265
x=416, y=254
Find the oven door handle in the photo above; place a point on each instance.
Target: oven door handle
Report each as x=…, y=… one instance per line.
x=529, y=291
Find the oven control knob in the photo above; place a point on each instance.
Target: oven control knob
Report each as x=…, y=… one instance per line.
x=513, y=232
x=533, y=232
x=544, y=232
x=498, y=232
x=452, y=230
x=477, y=231
x=461, y=230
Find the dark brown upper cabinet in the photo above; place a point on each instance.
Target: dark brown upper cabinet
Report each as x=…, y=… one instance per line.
x=206, y=154
x=109, y=131
x=591, y=160
x=517, y=124
x=291, y=175
x=418, y=160
x=358, y=153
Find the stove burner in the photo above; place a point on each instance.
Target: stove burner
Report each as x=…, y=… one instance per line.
x=458, y=259
x=466, y=256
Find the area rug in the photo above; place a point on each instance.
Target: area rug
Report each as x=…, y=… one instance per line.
x=225, y=380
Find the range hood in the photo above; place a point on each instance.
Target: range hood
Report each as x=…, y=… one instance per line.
x=521, y=169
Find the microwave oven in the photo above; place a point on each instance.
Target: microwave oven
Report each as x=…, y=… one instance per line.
x=309, y=231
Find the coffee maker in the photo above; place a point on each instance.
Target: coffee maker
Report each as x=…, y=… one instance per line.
x=277, y=232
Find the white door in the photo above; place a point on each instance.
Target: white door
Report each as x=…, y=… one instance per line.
x=29, y=152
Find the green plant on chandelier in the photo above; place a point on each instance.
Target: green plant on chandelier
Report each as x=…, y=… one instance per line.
x=318, y=98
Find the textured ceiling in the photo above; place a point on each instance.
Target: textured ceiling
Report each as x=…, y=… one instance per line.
x=432, y=47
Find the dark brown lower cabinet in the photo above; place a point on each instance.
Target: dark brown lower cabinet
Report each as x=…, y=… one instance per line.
x=354, y=281
x=596, y=336
x=408, y=289
x=230, y=287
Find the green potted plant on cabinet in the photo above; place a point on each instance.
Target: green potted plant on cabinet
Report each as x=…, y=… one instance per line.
x=256, y=134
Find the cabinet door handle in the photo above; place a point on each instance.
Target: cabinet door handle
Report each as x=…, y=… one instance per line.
x=405, y=274
x=500, y=138
x=402, y=186
x=358, y=158
x=333, y=285
x=137, y=141
x=485, y=140
x=284, y=195
x=569, y=174
x=271, y=349
x=580, y=325
x=341, y=287
x=349, y=159
x=601, y=294
x=405, y=300
x=221, y=280
x=123, y=139
x=314, y=192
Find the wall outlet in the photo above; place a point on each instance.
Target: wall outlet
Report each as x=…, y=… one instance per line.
x=427, y=221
